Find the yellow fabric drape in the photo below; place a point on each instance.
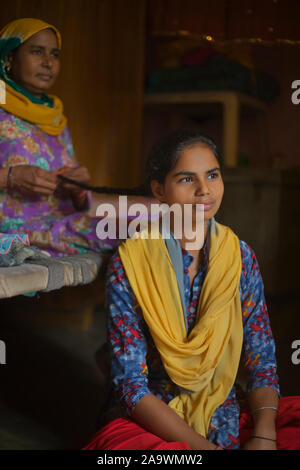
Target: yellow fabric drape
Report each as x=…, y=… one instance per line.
x=205, y=362
x=50, y=119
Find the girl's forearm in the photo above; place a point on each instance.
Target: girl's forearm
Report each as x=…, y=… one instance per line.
x=157, y=417
x=264, y=418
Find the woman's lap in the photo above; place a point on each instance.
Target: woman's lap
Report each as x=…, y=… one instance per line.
x=64, y=234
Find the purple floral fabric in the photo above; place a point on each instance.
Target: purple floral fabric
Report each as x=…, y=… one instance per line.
x=50, y=221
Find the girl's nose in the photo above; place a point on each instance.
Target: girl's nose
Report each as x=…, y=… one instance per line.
x=202, y=188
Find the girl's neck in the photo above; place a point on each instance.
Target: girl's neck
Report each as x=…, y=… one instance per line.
x=184, y=241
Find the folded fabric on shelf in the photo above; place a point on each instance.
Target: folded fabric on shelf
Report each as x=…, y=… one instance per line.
x=217, y=73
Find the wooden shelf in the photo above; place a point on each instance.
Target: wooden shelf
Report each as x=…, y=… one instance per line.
x=231, y=101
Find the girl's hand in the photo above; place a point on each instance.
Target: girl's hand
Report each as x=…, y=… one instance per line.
x=259, y=444
x=80, y=174
x=33, y=179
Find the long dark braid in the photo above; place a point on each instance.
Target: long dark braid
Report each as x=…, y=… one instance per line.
x=160, y=162
x=137, y=191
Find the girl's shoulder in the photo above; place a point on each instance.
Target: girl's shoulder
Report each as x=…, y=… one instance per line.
x=246, y=250
x=116, y=278
x=249, y=260
x=115, y=258
x=115, y=269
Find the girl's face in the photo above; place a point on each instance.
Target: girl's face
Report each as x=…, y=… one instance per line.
x=35, y=64
x=195, y=179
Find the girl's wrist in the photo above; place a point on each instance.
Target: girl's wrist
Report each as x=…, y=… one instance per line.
x=267, y=417
x=265, y=427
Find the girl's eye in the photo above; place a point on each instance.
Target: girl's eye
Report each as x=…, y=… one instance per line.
x=213, y=176
x=36, y=51
x=55, y=55
x=186, y=179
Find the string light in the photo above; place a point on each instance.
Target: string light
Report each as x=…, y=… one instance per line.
x=207, y=38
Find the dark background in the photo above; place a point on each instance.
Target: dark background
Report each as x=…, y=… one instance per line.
x=52, y=388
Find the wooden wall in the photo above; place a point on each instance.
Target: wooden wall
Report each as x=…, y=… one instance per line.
x=227, y=19
x=101, y=80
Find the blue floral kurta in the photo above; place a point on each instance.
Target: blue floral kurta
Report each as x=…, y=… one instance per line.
x=136, y=366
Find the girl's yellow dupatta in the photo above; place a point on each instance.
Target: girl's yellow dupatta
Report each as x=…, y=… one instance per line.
x=203, y=363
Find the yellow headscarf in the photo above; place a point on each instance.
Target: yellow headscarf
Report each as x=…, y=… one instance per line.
x=203, y=363
x=47, y=112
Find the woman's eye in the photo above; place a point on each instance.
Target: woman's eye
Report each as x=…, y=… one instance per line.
x=55, y=55
x=36, y=51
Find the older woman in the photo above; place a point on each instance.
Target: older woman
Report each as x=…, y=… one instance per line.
x=35, y=145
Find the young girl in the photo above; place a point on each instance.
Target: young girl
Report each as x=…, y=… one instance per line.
x=181, y=322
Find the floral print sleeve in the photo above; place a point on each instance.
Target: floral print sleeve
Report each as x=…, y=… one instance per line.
x=126, y=338
x=136, y=366
x=259, y=346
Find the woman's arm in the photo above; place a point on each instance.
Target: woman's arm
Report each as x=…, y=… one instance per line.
x=158, y=418
x=29, y=179
x=80, y=197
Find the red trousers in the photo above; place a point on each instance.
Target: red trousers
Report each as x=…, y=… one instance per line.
x=125, y=434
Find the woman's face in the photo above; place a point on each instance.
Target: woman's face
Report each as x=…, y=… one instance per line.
x=35, y=64
x=195, y=179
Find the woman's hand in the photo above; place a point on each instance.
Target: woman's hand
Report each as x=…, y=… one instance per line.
x=33, y=179
x=78, y=195
x=80, y=174
x=259, y=444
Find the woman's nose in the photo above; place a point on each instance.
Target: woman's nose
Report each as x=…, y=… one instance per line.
x=47, y=61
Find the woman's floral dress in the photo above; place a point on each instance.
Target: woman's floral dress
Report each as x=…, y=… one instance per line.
x=50, y=221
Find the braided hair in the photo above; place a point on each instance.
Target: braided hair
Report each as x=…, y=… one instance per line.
x=161, y=160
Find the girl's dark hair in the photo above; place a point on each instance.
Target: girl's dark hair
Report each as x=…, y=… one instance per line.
x=165, y=153
x=161, y=160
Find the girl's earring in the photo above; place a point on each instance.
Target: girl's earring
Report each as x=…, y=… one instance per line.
x=7, y=68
